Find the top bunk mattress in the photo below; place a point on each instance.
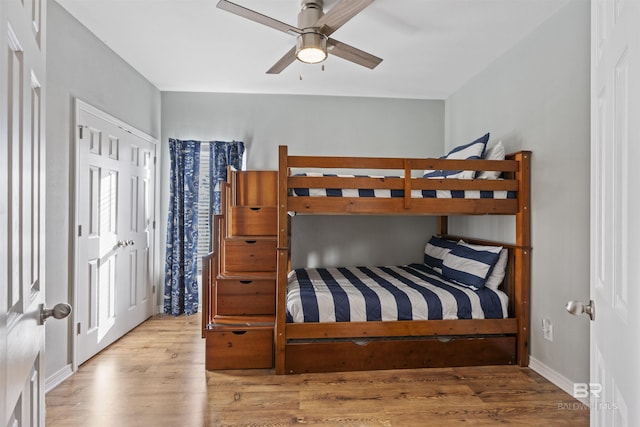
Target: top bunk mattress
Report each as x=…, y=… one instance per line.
x=393, y=193
x=408, y=292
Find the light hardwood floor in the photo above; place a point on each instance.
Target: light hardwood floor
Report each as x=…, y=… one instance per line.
x=155, y=376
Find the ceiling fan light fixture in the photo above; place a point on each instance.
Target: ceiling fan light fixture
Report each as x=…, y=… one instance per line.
x=311, y=47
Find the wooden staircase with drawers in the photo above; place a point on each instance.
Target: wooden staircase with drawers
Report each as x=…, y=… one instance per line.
x=239, y=275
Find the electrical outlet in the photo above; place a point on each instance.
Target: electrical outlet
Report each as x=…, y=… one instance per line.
x=547, y=329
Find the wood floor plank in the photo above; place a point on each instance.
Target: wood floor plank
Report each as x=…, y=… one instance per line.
x=155, y=376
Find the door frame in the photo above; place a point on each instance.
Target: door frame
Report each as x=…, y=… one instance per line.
x=80, y=105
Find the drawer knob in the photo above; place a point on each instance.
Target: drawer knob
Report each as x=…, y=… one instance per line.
x=246, y=282
x=250, y=242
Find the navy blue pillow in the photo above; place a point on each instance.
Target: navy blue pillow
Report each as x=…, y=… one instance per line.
x=469, y=267
x=435, y=251
x=472, y=151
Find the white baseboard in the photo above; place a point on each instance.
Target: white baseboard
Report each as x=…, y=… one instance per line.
x=561, y=381
x=57, y=378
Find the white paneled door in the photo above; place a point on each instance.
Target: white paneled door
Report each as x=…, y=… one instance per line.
x=115, y=204
x=615, y=231
x=22, y=151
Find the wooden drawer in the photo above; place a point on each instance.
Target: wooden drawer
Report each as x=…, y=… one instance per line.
x=247, y=255
x=301, y=357
x=255, y=188
x=239, y=347
x=245, y=297
x=252, y=221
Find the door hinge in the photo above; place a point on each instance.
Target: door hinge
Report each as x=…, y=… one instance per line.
x=81, y=128
x=79, y=328
x=153, y=289
x=154, y=224
x=155, y=159
x=79, y=230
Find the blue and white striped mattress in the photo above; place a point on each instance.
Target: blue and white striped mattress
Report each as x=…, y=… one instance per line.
x=409, y=292
x=385, y=193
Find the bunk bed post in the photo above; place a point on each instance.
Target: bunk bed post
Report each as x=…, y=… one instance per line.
x=210, y=264
x=443, y=225
x=282, y=261
x=232, y=181
x=207, y=280
x=407, y=183
x=210, y=269
x=523, y=256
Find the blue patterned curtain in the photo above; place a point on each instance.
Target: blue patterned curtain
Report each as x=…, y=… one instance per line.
x=181, y=285
x=222, y=154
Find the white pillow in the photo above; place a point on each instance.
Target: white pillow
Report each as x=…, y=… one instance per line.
x=499, y=269
x=495, y=152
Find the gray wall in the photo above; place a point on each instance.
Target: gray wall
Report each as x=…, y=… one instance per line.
x=79, y=65
x=536, y=97
x=318, y=125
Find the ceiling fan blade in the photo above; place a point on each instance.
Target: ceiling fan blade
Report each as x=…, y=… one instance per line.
x=339, y=14
x=352, y=54
x=283, y=62
x=258, y=17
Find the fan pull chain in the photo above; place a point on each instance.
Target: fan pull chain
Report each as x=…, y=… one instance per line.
x=301, y=76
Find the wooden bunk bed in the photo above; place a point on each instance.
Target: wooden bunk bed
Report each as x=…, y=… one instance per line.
x=346, y=346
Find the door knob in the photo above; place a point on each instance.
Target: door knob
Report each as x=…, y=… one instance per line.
x=577, y=308
x=59, y=311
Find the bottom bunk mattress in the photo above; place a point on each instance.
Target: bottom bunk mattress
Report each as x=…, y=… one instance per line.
x=407, y=292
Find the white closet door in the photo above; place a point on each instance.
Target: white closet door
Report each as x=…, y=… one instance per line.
x=115, y=237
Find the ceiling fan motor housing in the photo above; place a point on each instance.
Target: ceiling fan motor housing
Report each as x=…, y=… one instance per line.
x=311, y=11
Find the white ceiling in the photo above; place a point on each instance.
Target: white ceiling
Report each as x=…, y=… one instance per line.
x=430, y=47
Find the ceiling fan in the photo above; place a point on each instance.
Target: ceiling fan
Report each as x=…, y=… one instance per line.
x=313, y=43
